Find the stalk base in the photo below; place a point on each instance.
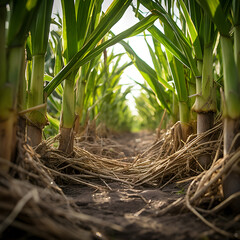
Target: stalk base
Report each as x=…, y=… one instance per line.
x=186, y=131
x=22, y=126
x=34, y=135
x=231, y=129
x=66, y=140
x=231, y=185
x=205, y=122
x=6, y=146
x=231, y=182
x=77, y=124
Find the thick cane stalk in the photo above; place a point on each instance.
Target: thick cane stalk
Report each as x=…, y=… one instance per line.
x=231, y=182
x=39, y=35
x=11, y=58
x=205, y=104
x=36, y=119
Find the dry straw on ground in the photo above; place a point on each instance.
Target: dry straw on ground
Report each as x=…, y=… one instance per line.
x=32, y=201
x=159, y=164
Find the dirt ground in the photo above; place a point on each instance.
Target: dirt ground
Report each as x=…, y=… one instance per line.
x=99, y=206
x=136, y=211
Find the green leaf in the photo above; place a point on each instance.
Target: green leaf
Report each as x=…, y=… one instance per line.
x=187, y=49
x=53, y=121
x=58, y=52
x=113, y=14
x=192, y=31
x=20, y=20
x=69, y=30
x=150, y=92
x=167, y=43
x=47, y=77
x=169, y=23
x=158, y=69
x=158, y=10
x=79, y=59
x=148, y=74
x=177, y=71
x=161, y=56
x=40, y=28
x=217, y=14
x=84, y=12
x=55, y=104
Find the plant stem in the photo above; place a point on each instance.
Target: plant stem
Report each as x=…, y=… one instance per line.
x=205, y=104
x=68, y=115
x=22, y=97
x=79, y=102
x=231, y=80
x=231, y=182
x=6, y=129
x=37, y=118
x=237, y=47
x=2, y=45
x=175, y=108
x=206, y=98
x=184, y=113
x=15, y=57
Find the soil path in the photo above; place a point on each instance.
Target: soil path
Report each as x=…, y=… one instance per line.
x=135, y=210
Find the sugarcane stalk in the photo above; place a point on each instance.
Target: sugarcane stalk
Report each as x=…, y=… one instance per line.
x=3, y=14
x=192, y=93
x=79, y=102
x=231, y=182
x=70, y=47
x=22, y=98
x=39, y=36
x=237, y=47
x=5, y=94
x=231, y=78
x=175, y=109
x=68, y=115
x=12, y=61
x=184, y=113
x=177, y=72
x=205, y=104
x=36, y=119
x=231, y=81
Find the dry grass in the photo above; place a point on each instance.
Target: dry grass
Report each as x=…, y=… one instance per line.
x=206, y=188
x=32, y=201
x=159, y=164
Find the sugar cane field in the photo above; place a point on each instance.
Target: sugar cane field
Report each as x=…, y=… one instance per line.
x=120, y=119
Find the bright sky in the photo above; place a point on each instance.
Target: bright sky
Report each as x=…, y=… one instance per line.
x=137, y=43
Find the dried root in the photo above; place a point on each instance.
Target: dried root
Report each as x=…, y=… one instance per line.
x=33, y=206
x=31, y=190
